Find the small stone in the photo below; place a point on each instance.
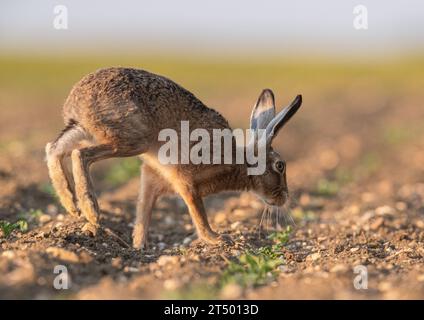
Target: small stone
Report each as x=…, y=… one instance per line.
x=188, y=227
x=283, y=268
x=169, y=220
x=384, y=210
x=161, y=245
x=339, y=268
x=235, y=225
x=239, y=213
x=60, y=217
x=9, y=254
x=131, y=269
x=419, y=224
x=44, y=218
x=58, y=225
x=63, y=254
x=354, y=249
x=315, y=256
x=235, y=253
x=401, y=206
x=377, y=223
x=187, y=240
x=367, y=216
x=231, y=291
x=171, y=284
x=164, y=260
x=220, y=217
x=51, y=209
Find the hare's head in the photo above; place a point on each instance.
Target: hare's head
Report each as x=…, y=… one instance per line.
x=271, y=186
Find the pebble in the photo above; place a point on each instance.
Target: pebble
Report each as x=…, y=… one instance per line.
x=161, y=245
x=171, y=284
x=401, y=206
x=367, y=216
x=10, y=254
x=239, y=212
x=419, y=224
x=377, y=223
x=231, y=291
x=51, y=209
x=58, y=225
x=169, y=220
x=354, y=249
x=220, y=217
x=384, y=210
x=315, y=256
x=63, y=254
x=131, y=269
x=339, y=268
x=187, y=240
x=235, y=225
x=44, y=218
x=235, y=253
x=60, y=217
x=164, y=260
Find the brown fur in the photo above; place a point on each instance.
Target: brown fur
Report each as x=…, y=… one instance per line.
x=118, y=112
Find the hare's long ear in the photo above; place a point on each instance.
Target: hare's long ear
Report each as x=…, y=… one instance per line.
x=263, y=111
x=282, y=118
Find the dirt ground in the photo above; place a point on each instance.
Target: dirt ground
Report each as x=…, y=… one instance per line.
x=355, y=173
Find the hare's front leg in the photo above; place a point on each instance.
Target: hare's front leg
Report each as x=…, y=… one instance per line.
x=197, y=212
x=151, y=186
x=87, y=202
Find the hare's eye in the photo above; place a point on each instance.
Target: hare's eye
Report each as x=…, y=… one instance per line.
x=280, y=166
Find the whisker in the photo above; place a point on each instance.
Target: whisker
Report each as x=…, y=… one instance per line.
x=288, y=216
x=277, y=220
x=262, y=219
x=269, y=218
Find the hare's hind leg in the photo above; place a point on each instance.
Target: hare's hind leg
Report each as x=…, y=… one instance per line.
x=87, y=201
x=56, y=152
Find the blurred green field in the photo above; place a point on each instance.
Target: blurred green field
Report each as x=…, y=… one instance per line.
x=52, y=76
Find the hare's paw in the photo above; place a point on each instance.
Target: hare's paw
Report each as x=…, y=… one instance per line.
x=90, y=229
x=218, y=239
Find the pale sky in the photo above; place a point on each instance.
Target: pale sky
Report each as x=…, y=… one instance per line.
x=262, y=26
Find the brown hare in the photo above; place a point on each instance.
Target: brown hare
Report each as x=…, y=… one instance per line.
x=119, y=112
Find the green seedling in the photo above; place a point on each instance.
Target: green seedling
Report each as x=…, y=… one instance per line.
x=258, y=267
x=7, y=227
